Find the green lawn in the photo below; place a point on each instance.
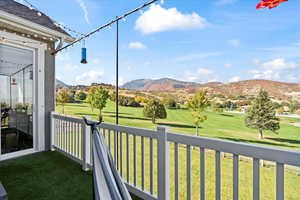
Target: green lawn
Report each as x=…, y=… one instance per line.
x=218, y=125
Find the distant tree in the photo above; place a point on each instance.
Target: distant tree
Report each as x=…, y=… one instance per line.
x=141, y=99
x=277, y=105
x=230, y=105
x=155, y=110
x=63, y=97
x=280, y=110
x=294, y=105
x=217, y=107
x=170, y=102
x=112, y=96
x=72, y=94
x=80, y=95
x=198, y=104
x=128, y=101
x=97, y=98
x=262, y=114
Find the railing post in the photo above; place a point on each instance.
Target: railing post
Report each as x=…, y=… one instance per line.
x=52, y=131
x=86, y=146
x=163, y=164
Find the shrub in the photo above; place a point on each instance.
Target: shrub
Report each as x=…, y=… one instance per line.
x=170, y=102
x=155, y=110
x=128, y=101
x=80, y=96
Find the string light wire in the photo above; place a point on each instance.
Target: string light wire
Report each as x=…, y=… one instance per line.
x=31, y=6
x=105, y=26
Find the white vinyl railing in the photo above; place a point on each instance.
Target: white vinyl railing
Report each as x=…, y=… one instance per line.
x=142, y=157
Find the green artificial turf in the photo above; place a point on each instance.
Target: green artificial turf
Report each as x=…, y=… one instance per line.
x=45, y=176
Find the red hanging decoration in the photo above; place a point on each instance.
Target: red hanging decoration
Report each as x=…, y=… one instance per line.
x=13, y=82
x=269, y=4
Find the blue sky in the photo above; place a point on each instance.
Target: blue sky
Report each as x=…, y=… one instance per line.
x=190, y=40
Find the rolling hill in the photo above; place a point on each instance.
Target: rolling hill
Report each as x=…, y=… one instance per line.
x=163, y=84
x=278, y=90
x=59, y=84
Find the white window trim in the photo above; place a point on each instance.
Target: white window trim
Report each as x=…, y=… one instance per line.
x=39, y=49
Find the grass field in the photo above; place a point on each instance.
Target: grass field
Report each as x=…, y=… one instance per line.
x=218, y=125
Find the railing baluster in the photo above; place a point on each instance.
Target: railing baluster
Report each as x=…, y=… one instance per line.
x=121, y=154
x=235, y=177
x=256, y=179
x=59, y=133
x=65, y=135
x=279, y=181
x=202, y=173
x=109, y=140
x=176, y=171
x=128, y=157
x=143, y=162
x=134, y=161
x=151, y=166
x=68, y=136
x=218, y=175
x=55, y=133
x=115, y=148
x=78, y=140
x=188, y=173
x=73, y=142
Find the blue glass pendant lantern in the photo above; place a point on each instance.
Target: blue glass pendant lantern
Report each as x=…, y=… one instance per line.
x=83, y=54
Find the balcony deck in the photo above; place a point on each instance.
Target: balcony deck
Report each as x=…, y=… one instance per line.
x=47, y=175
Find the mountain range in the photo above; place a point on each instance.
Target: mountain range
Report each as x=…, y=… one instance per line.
x=279, y=90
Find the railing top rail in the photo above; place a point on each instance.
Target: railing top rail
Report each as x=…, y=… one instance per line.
x=67, y=118
x=260, y=152
x=131, y=130
x=125, y=129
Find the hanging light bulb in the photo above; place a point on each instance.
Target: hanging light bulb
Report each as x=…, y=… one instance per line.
x=83, y=54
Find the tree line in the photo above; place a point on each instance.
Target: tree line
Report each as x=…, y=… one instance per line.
x=261, y=114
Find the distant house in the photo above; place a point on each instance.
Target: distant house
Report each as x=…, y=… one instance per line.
x=27, y=77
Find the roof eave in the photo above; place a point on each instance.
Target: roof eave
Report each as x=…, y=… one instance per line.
x=33, y=27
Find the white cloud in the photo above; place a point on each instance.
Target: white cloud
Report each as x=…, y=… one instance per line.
x=278, y=64
x=84, y=9
x=234, y=79
x=276, y=69
x=227, y=65
x=136, y=45
x=89, y=77
x=224, y=2
x=268, y=74
x=202, y=75
x=158, y=19
x=196, y=56
x=234, y=42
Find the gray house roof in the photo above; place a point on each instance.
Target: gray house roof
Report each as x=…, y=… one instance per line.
x=20, y=10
